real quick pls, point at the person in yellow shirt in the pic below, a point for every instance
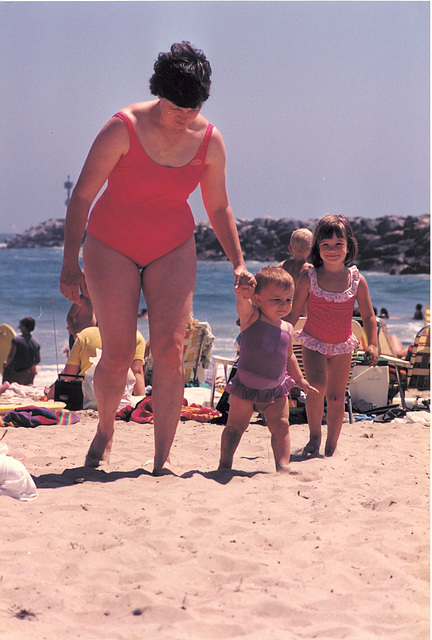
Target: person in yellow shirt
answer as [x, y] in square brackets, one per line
[84, 348]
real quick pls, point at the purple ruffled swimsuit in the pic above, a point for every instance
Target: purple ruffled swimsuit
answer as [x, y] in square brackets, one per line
[261, 375]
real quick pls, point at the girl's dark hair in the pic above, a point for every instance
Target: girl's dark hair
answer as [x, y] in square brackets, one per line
[333, 224]
[182, 76]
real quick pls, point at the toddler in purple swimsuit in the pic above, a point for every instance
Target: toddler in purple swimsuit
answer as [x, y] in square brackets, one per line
[267, 367]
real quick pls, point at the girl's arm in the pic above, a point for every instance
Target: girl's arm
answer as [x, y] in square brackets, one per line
[216, 203]
[301, 294]
[110, 144]
[369, 321]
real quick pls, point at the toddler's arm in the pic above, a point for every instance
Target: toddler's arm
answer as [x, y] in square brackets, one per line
[244, 291]
[293, 369]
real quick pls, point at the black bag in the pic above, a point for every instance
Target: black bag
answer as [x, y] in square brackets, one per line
[69, 391]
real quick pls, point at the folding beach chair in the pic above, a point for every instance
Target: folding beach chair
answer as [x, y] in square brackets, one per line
[413, 372]
[297, 348]
[197, 346]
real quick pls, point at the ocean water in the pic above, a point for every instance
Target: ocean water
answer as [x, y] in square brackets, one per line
[29, 287]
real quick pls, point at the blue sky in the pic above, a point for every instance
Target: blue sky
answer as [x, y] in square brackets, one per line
[323, 106]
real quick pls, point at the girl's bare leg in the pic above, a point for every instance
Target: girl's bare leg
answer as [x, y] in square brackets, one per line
[168, 286]
[239, 416]
[277, 416]
[315, 365]
[114, 284]
[338, 369]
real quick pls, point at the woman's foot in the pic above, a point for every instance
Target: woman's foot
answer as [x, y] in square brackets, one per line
[165, 470]
[99, 450]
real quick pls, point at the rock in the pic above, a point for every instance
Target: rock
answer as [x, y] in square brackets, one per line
[46, 234]
[391, 244]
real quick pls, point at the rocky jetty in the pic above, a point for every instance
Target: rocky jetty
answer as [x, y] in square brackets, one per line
[46, 234]
[391, 244]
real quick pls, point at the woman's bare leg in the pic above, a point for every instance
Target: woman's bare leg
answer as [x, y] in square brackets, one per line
[338, 369]
[239, 416]
[114, 284]
[315, 365]
[168, 286]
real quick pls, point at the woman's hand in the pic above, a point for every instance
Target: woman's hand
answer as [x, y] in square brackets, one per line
[72, 281]
[243, 278]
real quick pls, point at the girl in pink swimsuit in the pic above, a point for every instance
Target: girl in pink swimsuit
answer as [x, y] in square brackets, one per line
[140, 236]
[267, 367]
[330, 288]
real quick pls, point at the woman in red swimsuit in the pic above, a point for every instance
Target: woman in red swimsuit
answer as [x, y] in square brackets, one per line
[140, 235]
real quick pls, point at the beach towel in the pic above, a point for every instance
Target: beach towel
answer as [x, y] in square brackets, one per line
[32, 416]
[143, 412]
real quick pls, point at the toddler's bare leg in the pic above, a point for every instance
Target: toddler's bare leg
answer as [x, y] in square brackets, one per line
[277, 416]
[240, 413]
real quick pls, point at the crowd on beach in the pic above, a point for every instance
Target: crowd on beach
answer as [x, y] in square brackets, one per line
[145, 243]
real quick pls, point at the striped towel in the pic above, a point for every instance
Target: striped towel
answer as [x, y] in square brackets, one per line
[32, 416]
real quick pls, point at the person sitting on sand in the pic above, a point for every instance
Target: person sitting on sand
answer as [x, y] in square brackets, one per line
[24, 355]
[85, 345]
[267, 367]
[79, 317]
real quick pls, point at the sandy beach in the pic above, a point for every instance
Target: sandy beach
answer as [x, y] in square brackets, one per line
[340, 550]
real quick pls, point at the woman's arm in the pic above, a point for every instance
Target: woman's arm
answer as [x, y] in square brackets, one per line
[110, 144]
[215, 199]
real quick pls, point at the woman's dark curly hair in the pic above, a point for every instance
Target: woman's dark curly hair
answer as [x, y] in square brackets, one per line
[182, 76]
[333, 224]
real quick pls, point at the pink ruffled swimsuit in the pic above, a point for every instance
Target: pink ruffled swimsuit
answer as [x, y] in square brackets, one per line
[328, 324]
[261, 375]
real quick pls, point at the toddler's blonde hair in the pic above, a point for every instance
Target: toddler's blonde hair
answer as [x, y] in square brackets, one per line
[273, 275]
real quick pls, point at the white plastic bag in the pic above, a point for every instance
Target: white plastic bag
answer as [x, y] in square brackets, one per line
[15, 480]
[89, 400]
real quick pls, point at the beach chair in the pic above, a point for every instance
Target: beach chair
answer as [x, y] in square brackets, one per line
[297, 348]
[225, 362]
[197, 346]
[413, 372]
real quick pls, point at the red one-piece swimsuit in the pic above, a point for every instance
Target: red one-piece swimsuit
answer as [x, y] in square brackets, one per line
[144, 211]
